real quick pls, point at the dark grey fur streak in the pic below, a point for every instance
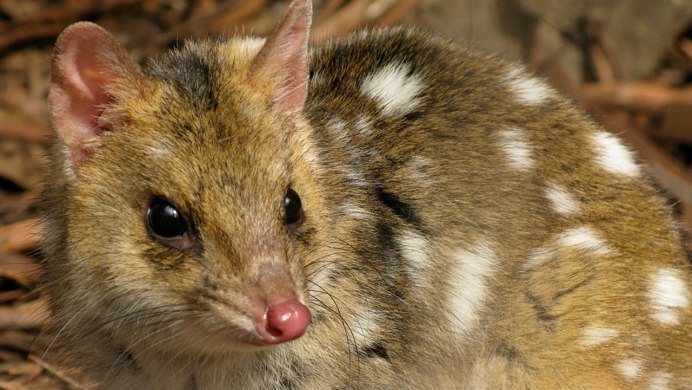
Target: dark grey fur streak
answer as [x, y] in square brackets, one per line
[191, 73]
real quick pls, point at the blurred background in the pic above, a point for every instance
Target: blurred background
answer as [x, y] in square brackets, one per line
[628, 62]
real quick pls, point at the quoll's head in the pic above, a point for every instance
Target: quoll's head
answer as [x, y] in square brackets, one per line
[191, 198]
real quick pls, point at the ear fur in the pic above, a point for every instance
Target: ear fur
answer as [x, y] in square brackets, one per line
[90, 71]
[284, 58]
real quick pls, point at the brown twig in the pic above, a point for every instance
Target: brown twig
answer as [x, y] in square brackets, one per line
[53, 20]
[24, 270]
[635, 95]
[20, 236]
[221, 18]
[14, 123]
[67, 10]
[359, 13]
[15, 207]
[12, 385]
[348, 18]
[19, 368]
[397, 12]
[677, 122]
[27, 315]
[14, 276]
[55, 371]
[602, 66]
[329, 8]
[223, 22]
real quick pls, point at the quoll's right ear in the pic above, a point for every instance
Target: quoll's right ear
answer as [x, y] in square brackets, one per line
[90, 71]
[283, 59]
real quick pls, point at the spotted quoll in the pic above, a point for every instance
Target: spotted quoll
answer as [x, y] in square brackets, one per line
[385, 211]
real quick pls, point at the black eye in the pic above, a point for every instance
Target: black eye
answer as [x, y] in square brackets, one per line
[165, 220]
[292, 207]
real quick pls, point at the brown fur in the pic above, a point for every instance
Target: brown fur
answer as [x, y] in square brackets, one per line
[141, 315]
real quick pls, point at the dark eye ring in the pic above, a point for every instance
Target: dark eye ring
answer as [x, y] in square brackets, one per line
[293, 211]
[165, 221]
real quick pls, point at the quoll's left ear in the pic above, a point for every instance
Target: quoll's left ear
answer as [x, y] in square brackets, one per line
[90, 70]
[284, 59]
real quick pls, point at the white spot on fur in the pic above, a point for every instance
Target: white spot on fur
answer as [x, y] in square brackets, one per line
[250, 46]
[414, 249]
[417, 167]
[393, 88]
[337, 128]
[69, 172]
[355, 212]
[158, 152]
[159, 149]
[583, 237]
[668, 294]
[316, 77]
[527, 89]
[613, 156]
[357, 155]
[67, 164]
[659, 381]
[516, 148]
[355, 178]
[596, 335]
[561, 200]
[469, 280]
[629, 368]
[365, 325]
[311, 157]
[321, 273]
[364, 126]
[536, 258]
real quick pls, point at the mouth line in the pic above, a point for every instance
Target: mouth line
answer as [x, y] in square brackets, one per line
[228, 318]
[279, 321]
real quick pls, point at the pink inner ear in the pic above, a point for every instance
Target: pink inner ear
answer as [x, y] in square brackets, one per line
[285, 56]
[86, 63]
[86, 79]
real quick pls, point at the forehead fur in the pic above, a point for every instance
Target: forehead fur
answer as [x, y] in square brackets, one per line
[205, 121]
[200, 68]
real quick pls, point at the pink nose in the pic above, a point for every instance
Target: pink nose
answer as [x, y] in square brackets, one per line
[284, 322]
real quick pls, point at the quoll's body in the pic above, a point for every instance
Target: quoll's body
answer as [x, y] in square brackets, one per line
[385, 211]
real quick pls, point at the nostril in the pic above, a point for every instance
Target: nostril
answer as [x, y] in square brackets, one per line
[286, 321]
[275, 332]
[275, 323]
